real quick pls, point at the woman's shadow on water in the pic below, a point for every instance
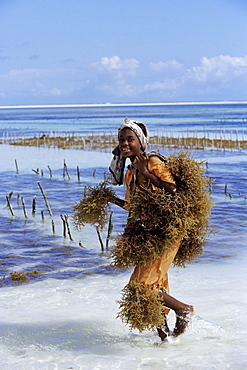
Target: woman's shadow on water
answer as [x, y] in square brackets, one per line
[88, 337]
[85, 337]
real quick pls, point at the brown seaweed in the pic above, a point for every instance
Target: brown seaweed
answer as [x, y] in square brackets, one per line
[140, 307]
[158, 219]
[94, 207]
[23, 276]
[18, 276]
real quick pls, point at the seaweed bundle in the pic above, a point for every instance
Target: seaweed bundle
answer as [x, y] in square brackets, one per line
[94, 206]
[141, 307]
[158, 219]
[193, 185]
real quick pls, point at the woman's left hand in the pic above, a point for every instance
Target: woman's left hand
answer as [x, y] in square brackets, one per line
[142, 162]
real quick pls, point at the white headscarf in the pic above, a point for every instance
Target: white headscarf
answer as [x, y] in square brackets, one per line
[118, 162]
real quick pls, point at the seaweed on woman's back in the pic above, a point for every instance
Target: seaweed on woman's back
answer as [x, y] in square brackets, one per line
[194, 184]
[167, 218]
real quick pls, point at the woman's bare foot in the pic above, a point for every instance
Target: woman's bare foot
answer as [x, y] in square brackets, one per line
[184, 316]
[163, 331]
[183, 311]
[162, 334]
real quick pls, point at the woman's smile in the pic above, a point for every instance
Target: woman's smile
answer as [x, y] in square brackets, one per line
[129, 144]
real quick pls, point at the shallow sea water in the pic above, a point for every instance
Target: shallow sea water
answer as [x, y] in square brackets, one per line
[66, 317]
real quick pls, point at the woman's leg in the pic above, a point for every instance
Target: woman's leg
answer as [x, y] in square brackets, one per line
[183, 313]
[163, 331]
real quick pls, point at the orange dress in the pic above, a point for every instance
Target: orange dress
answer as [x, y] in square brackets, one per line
[153, 274]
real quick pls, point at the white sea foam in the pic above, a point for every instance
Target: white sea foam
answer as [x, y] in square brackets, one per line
[61, 324]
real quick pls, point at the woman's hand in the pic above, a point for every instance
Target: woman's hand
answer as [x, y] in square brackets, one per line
[142, 166]
[142, 162]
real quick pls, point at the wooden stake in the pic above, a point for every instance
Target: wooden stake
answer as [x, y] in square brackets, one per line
[78, 173]
[66, 170]
[24, 207]
[53, 226]
[36, 171]
[34, 205]
[66, 217]
[64, 225]
[109, 233]
[100, 239]
[16, 166]
[9, 205]
[49, 168]
[46, 201]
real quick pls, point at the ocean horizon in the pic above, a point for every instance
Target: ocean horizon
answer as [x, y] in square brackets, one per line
[225, 102]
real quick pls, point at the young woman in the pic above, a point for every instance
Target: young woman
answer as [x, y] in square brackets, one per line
[133, 139]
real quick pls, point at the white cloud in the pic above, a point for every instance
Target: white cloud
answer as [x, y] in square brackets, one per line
[222, 67]
[114, 75]
[39, 82]
[119, 89]
[167, 84]
[19, 75]
[127, 66]
[159, 66]
[40, 89]
[220, 77]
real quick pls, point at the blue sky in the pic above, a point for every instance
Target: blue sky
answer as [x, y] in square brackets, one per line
[121, 51]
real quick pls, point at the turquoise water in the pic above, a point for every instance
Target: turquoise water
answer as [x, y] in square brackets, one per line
[65, 317]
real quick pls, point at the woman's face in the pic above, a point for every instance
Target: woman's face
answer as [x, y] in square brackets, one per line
[129, 144]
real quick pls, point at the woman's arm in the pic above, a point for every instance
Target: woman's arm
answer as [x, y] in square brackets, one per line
[156, 181]
[142, 165]
[119, 202]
